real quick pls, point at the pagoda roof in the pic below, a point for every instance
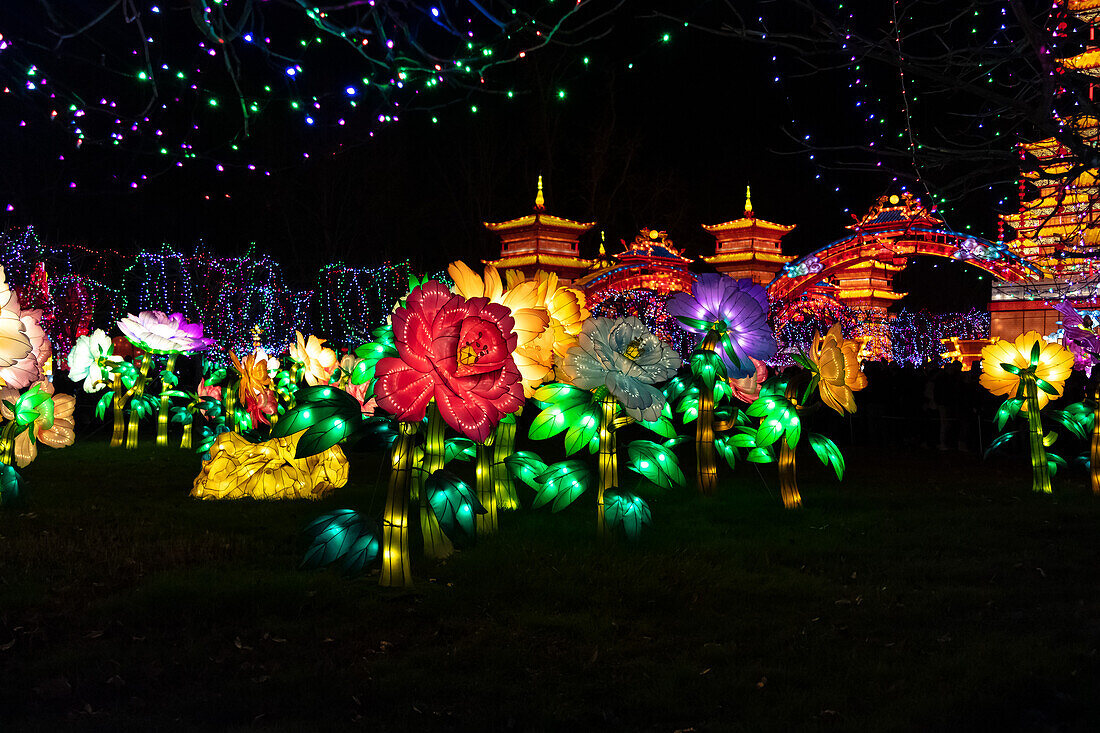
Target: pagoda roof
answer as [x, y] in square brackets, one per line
[540, 259]
[652, 244]
[746, 223]
[1087, 62]
[1086, 10]
[539, 218]
[747, 256]
[894, 209]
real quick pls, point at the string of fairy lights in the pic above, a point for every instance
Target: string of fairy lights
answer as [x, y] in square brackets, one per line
[178, 84]
[891, 120]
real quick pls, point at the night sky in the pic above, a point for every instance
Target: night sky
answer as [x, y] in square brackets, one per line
[649, 133]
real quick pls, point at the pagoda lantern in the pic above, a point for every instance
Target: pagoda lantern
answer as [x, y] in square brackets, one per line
[541, 241]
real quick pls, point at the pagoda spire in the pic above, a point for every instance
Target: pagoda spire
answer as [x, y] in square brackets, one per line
[540, 201]
[748, 201]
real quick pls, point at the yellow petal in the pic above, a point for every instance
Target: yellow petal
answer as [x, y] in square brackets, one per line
[467, 282]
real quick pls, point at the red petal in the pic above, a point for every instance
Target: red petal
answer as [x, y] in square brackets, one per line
[469, 414]
[402, 390]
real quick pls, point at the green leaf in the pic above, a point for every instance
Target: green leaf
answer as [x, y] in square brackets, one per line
[581, 433]
[743, 440]
[562, 483]
[725, 449]
[803, 361]
[1008, 409]
[463, 449]
[169, 378]
[622, 509]
[1010, 368]
[1036, 350]
[676, 440]
[527, 467]
[101, 406]
[694, 323]
[341, 534]
[707, 367]
[1054, 462]
[555, 419]
[999, 441]
[1046, 387]
[722, 390]
[760, 455]
[314, 406]
[370, 354]
[324, 434]
[562, 395]
[827, 453]
[663, 425]
[1050, 438]
[11, 486]
[455, 504]
[215, 377]
[761, 406]
[656, 463]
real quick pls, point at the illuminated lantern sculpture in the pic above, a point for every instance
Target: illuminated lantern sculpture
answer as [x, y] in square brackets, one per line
[547, 320]
[732, 318]
[36, 416]
[155, 332]
[14, 342]
[453, 365]
[614, 368]
[316, 362]
[1081, 339]
[1029, 371]
[833, 370]
[239, 468]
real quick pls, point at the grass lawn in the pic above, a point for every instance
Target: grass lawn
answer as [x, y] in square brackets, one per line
[928, 591]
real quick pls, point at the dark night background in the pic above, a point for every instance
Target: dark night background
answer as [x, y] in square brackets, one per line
[664, 135]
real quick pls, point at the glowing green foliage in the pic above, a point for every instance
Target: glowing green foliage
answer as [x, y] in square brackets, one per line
[1055, 461]
[1077, 418]
[760, 455]
[567, 408]
[378, 432]
[723, 445]
[104, 402]
[325, 434]
[370, 354]
[688, 404]
[828, 453]
[626, 510]
[454, 503]
[663, 425]
[1009, 409]
[656, 463]
[327, 414]
[463, 449]
[169, 378]
[10, 486]
[527, 467]
[342, 534]
[707, 366]
[562, 482]
[999, 441]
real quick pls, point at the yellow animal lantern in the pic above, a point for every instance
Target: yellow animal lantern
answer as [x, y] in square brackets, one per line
[268, 470]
